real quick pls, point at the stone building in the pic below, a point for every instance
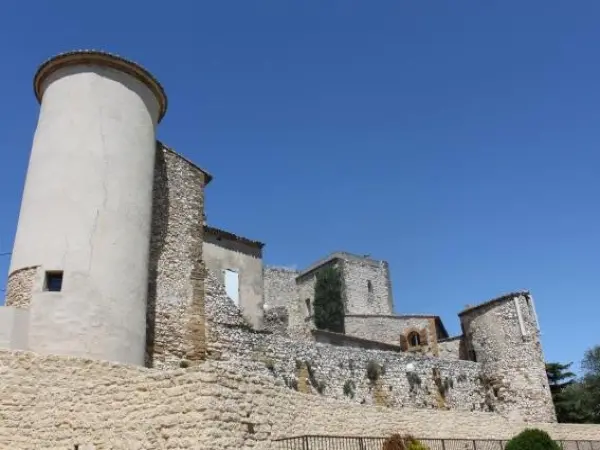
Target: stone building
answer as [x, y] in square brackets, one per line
[114, 260]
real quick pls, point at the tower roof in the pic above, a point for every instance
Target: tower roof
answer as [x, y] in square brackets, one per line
[99, 58]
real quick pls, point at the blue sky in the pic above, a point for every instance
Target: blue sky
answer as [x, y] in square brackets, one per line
[457, 140]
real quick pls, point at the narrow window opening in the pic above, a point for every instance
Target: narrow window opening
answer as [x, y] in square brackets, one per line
[414, 339]
[53, 282]
[369, 286]
[308, 307]
[232, 286]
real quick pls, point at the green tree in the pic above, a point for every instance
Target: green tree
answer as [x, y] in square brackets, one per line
[559, 378]
[329, 303]
[591, 383]
[532, 439]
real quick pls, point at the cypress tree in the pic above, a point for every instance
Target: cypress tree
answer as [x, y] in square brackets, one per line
[329, 303]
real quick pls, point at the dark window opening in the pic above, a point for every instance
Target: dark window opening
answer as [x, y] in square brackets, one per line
[472, 355]
[308, 306]
[54, 281]
[414, 339]
[369, 286]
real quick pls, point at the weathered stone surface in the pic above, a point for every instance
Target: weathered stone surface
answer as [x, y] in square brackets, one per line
[504, 338]
[19, 287]
[56, 402]
[175, 318]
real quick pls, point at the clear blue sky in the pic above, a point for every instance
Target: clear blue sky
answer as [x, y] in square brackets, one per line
[458, 140]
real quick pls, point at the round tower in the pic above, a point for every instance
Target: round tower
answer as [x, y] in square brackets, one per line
[83, 232]
[503, 335]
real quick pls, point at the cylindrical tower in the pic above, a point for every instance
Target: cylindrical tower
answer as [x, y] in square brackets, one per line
[85, 218]
[503, 335]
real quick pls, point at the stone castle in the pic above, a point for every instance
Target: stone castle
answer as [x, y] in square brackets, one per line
[118, 283]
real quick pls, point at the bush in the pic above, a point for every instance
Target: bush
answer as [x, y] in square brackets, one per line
[374, 371]
[532, 439]
[397, 442]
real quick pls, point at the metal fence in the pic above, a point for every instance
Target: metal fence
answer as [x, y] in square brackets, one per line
[376, 443]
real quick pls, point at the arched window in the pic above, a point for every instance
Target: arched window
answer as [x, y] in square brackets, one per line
[414, 340]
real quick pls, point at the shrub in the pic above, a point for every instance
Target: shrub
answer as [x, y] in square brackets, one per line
[349, 388]
[374, 371]
[398, 442]
[532, 439]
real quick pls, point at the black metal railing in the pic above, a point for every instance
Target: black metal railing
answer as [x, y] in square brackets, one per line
[376, 443]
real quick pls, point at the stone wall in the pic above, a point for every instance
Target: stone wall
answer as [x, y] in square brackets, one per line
[19, 287]
[367, 286]
[503, 336]
[389, 329]
[225, 251]
[279, 286]
[452, 348]
[175, 318]
[57, 402]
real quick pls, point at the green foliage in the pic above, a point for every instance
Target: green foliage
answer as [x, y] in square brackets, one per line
[399, 442]
[416, 445]
[532, 439]
[374, 371]
[349, 388]
[577, 400]
[559, 376]
[329, 304]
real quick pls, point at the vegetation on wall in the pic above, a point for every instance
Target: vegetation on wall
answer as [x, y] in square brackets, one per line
[532, 439]
[329, 303]
[349, 388]
[577, 400]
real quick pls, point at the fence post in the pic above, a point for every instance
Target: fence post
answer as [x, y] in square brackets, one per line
[474, 444]
[361, 443]
[305, 442]
[443, 444]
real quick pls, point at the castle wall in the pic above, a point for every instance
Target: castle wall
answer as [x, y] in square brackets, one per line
[175, 313]
[279, 286]
[367, 286]
[55, 402]
[14, 328]
[220, 253]
[452, 348]
[504, 337]
[388, 329]
[86, 213]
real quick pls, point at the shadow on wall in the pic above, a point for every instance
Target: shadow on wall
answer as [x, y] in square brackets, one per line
[160, 216]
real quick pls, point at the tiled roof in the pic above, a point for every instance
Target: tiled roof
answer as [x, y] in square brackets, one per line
[233, 237]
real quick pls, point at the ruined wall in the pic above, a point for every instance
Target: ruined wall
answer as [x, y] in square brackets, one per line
[175, 310]
[19, 287]
[221, 253]
[452, 348]
[504, 337]
[57, 402]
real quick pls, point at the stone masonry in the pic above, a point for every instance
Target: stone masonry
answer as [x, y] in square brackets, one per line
[52, 402]
[19, 287]
[175, 319]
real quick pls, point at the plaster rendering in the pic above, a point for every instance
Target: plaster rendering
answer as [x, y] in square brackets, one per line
[86, 209]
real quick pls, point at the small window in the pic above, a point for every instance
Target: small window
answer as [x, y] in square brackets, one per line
[414, 340]
[369, 286]
[308, 306]
[54, 281]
